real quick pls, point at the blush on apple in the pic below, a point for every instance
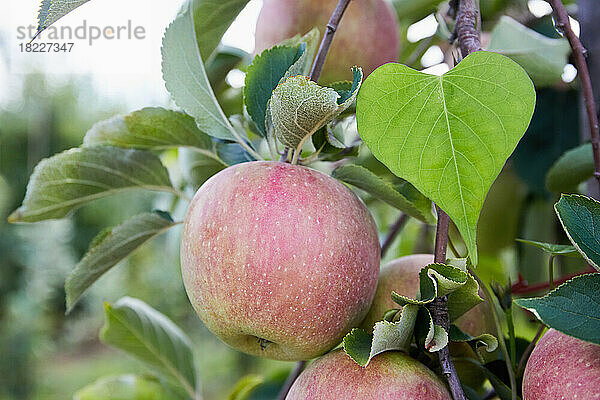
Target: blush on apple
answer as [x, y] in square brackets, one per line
[279, 260]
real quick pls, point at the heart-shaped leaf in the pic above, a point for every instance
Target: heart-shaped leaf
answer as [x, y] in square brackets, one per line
[65, 181]
[299, 107]
[136, 328]
[580, 218]
[405, 197]
[448, 135]
[542, 57]
[111, 246]
[572, 308]
[149, 128]
[127, 387]
[572, 168]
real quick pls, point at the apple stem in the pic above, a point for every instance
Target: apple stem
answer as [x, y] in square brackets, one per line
[579, 53]
[331, 28]
[395, 229]
[291, 379]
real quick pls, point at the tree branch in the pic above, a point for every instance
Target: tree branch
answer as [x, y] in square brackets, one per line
[395, 229]
[291, 379]
[332, 26]
[466, 29]
[563, 23]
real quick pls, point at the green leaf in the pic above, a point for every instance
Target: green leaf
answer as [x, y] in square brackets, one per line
[233, 153]
[448, 135]
[387, 336]
[464, 298]
[110, 247]
[53, 10]
[403, 197]
[126, 387]
[572, 308]
[487, 341]
[65, 181]
[212, 18]
[580, 218]
[542, 57]
[136, 328]
[436, 337]
[262, 78]
[186, 79]
[149, 128]
[551, 248]
[245, 386]
[571, 169]
[197, 167]
[299, 107]
[312, 40]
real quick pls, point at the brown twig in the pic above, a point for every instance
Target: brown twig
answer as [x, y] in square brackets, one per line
[395, 229]
[466, 28]
[332, 26]
[563, 23]
[291, 379]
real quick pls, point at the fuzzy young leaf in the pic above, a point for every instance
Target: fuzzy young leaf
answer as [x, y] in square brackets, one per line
[65, 181]
[571, 169]
[448, 135]
[127, 387]
[551, 248]
[53, 10]
[136, 328]
[542, 57]
[263, 76]
[436, 337]
[211, 19]
[486, 340]
[110, 247]
[580, 218]
[572, 308]
[149, 128]
[405, 198]
[387, 336]
[186, 79]
[299, 107]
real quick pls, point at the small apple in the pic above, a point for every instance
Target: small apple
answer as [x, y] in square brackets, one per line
[389, 376]
[279, 260]
[367, 36]
[562, 367]
[402, 276]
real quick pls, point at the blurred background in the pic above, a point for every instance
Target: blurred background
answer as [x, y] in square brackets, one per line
[49, 101]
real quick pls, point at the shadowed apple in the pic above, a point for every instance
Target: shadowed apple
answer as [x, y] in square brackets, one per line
[279, 260]
[562, 367]
[367, 35]
[389, 376]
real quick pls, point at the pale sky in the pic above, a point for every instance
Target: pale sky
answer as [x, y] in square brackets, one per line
[124, 70]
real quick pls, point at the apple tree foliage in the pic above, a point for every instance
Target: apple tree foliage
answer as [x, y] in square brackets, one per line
[445, 137]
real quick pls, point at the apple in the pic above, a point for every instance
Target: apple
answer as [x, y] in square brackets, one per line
[367, 36]
[562, 367]
[279, 260]
[389, 376]
[402, 276]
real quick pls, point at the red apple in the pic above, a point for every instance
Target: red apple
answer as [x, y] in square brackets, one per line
[279, 260]
[389, 376]
[562, 367]
[367, 35]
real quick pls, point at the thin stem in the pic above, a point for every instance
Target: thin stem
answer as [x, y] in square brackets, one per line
[332, 27]
[529, 349]
[466, 29]
[551, 272]
[441, 236]
[521, 287]
[501, 341]
[395, 229]
[579, 52]
[511, 336]
[291, 379]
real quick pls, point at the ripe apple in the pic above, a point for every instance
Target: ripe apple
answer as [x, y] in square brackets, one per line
[367, 36]
[279, 260]
[402, 276]
[562, 367]
[389, 376]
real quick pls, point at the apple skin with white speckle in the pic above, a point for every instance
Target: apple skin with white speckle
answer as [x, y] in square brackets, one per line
[562, 367]
[278, 260]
